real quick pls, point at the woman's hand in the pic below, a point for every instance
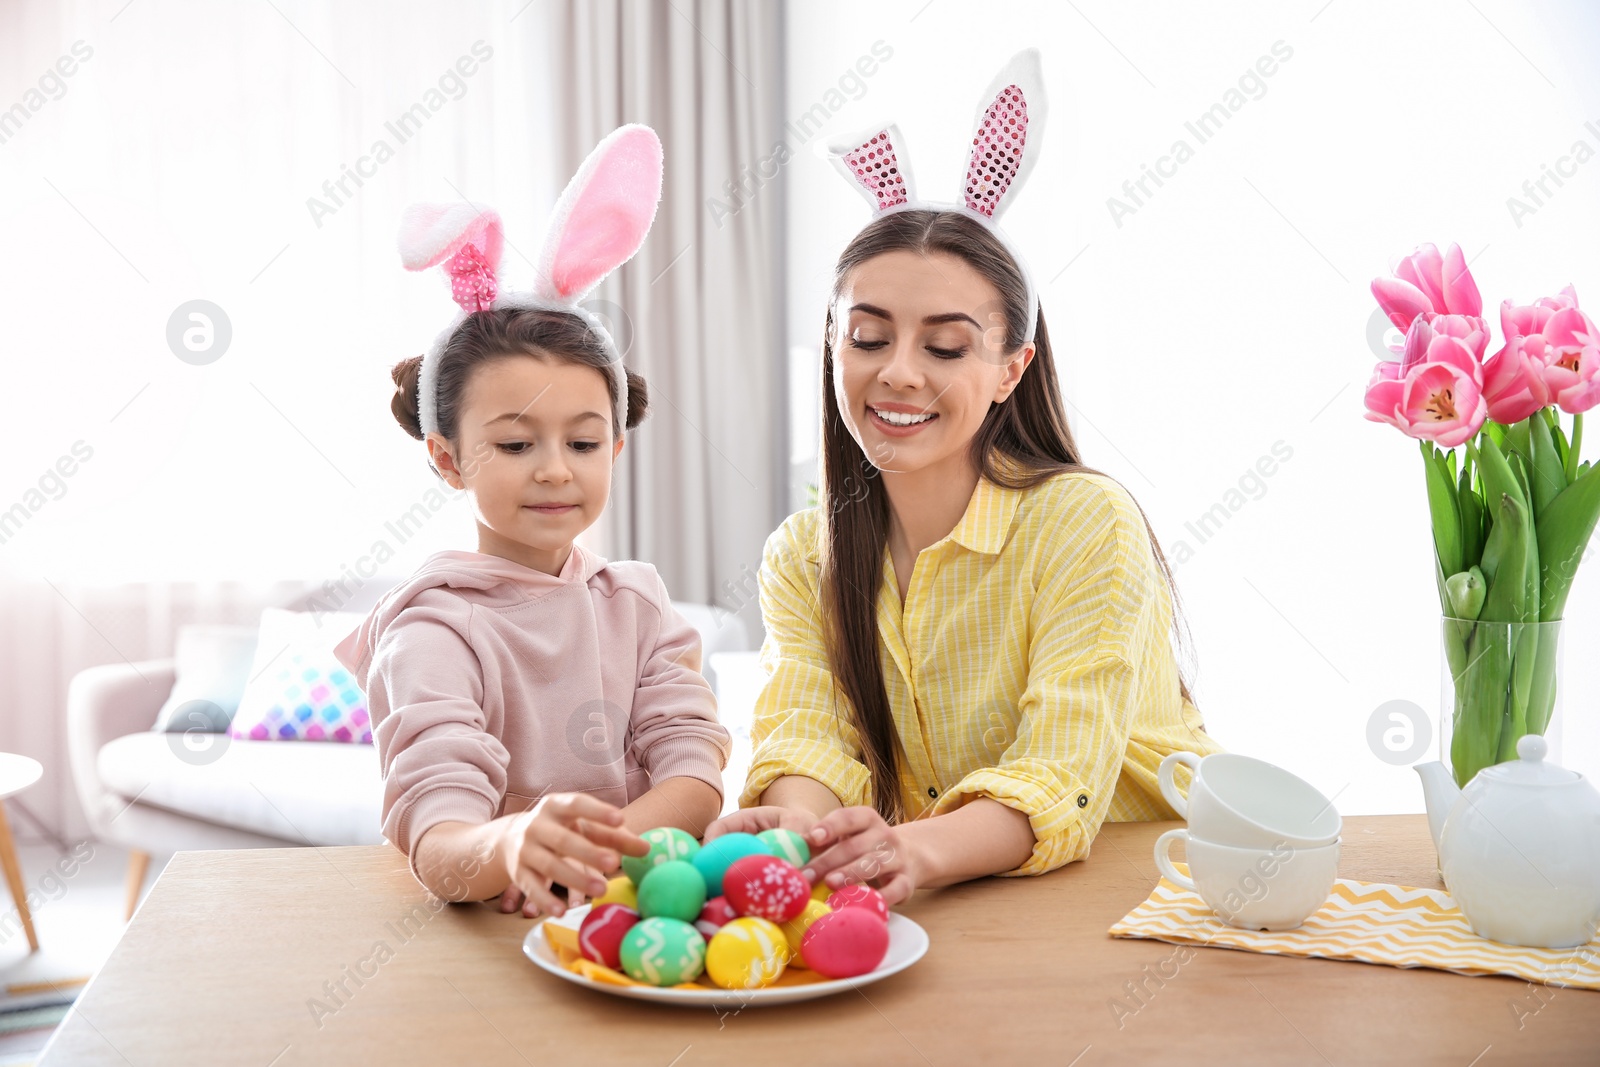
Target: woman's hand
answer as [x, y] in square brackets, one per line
[571, 838]
[855, 845]
[767, 817]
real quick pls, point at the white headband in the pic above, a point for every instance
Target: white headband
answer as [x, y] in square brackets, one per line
[597, 225]
[1005, 147]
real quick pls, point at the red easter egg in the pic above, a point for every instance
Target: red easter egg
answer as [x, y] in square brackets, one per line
[714, 916]
[860, 896]
[845, 943]
[766, 887]
[601, 932]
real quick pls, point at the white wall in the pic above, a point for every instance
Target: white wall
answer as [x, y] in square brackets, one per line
[1230, 312]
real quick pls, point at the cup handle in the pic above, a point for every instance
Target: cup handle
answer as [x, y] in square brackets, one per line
[1164, 861]
[1169, 788]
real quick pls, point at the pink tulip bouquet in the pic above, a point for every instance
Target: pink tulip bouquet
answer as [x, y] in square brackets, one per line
[1511, 519]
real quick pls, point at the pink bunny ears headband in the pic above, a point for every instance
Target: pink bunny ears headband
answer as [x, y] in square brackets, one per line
[1005, 146]
[598, 224]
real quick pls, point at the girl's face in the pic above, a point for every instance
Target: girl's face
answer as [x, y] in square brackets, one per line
[919, 356]
[536, 456]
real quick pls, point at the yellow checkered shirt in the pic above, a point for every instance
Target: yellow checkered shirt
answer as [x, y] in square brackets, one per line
[1031, 663]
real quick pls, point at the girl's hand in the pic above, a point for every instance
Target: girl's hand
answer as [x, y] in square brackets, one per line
[571, 838]
[755, 820]
[855, 845]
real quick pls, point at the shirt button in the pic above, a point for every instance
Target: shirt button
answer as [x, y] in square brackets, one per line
[932, 792]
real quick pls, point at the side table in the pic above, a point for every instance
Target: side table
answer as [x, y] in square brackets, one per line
[16, 774]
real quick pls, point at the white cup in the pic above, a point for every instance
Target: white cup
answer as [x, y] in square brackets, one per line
[1249, 803]
[1275, 888]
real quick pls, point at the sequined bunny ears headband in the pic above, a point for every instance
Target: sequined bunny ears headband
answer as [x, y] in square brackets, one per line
[1005, 146]
[598, 224]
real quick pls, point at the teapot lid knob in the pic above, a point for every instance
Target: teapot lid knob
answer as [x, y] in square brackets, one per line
[1531, 747]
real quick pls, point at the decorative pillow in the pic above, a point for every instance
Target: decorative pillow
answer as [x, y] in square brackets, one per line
[297, 689]
[213, 663]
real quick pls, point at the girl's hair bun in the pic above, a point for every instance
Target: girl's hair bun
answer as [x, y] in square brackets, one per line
[404, 404]
[638, 401]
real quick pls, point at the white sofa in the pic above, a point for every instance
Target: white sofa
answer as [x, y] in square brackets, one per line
[149, 793]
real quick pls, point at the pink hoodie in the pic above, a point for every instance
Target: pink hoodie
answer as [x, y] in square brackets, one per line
[491, 684]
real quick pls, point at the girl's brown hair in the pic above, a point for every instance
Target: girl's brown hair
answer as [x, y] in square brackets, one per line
[1029, 428]
[500, 333]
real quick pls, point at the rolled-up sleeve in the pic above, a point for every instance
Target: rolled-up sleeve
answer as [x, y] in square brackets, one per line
[1091, 625]
[440, 763]
[675, 728]
[800, 726]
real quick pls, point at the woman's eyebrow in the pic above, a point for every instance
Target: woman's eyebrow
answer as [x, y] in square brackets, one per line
[929, 320]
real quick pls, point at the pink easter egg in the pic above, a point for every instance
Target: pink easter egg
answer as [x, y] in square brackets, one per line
[714, 916]
[601, 932]
[860, 896]
[845, 943]
[766, 887]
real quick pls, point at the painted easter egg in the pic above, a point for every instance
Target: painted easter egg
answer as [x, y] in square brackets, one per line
[663, 952]
[788, 845]
[859, 896]
[716, 855]
[845, 943]
[619, 890]
[822, 891]
[766, 887]
[672, 890]
[714, 916]
[602, 930]
[747, 953]
[795, 929]
[666, 843]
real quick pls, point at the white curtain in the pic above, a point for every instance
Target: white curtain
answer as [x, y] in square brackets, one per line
[704, 480]
[257, 157]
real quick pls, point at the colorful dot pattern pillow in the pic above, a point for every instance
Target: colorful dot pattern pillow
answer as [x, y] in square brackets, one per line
[297, 690]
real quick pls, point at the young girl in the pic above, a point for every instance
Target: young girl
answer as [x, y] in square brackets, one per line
[534, 706]
[968, 655]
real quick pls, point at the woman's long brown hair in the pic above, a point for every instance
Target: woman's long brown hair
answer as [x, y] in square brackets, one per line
[1029, 428]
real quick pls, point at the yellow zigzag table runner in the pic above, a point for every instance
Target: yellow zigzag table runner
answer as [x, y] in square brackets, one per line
[1372, 922]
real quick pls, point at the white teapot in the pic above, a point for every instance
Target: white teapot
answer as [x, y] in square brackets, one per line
[1519, 848]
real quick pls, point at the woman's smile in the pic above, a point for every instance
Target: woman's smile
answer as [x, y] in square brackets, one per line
[899, 420]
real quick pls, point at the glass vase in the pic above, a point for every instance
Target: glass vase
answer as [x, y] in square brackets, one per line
[1498, 682]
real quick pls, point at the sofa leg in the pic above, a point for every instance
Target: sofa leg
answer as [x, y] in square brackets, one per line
[138, 866]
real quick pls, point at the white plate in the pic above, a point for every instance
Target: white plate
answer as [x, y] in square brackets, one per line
[908, 942]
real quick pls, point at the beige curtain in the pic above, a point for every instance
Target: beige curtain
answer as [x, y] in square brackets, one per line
[704, 480]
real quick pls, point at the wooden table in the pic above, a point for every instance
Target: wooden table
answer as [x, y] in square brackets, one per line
[231, 952]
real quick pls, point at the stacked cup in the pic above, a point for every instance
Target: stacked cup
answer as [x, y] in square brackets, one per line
[1262, 844]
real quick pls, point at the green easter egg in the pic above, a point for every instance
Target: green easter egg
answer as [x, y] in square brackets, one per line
[666, 843]
[663, 952]
[674, 890]
[786, 844]
[718, 854]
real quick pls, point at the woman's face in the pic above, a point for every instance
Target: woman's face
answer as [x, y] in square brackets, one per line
[919, 356]
[536, 453]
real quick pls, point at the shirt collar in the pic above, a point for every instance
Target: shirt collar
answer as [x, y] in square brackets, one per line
[984, 526]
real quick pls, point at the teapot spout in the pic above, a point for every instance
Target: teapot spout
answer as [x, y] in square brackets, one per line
[1439, 792]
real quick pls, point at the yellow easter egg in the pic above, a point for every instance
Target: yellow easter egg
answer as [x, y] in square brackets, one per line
[619, 890]
[822, 891]
[747, 953]
[795, 928]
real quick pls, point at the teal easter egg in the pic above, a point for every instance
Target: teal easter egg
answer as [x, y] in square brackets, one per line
[714, 857]
[674, 890]
[663, 952]
[666, 843]
[788, 845]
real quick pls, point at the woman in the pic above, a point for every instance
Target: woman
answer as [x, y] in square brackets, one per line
[966, 642]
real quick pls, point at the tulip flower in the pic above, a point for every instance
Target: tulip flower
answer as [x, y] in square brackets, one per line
[1435, 287]
[1434, 393]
